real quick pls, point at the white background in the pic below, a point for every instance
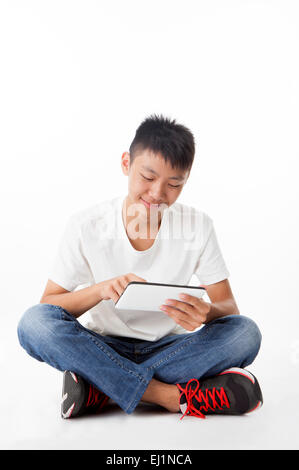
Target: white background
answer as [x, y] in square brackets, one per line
[77, 78]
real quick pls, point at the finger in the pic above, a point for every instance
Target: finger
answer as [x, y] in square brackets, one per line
[119, 286]
[182, 306]
[183, 322]
[194, 301]
[178, 315]
[113, 294]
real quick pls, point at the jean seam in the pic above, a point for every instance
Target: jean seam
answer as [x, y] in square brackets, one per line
[186, 342]
[148, 350]
[189, 338]
[136, 398]
[189, 342]
[173, 353]
[99, 345]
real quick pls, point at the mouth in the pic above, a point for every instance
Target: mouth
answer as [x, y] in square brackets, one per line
[148, 204]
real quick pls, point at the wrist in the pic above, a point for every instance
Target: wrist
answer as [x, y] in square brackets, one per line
[99, 291]
[211, 311]
[221, 309]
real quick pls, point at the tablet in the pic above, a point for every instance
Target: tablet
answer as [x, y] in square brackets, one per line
[139, 304]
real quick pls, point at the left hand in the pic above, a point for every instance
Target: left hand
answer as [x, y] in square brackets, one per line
[190, 312]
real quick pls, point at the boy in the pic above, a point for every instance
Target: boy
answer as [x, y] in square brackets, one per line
[196, 367]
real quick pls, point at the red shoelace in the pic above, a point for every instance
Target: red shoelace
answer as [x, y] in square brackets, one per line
[96, 398]
[208, 398]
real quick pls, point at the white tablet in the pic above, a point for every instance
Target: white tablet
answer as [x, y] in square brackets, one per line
[139, 304]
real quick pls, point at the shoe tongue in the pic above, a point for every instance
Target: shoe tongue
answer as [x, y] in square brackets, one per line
[183, 407]
[183, 399]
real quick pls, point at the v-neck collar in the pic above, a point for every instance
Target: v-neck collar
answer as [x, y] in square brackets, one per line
[124, 235]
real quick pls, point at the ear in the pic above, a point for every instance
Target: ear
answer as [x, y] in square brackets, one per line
[125, 163]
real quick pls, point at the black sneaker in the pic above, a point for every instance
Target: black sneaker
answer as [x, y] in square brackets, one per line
[80, 397]
[234, 391]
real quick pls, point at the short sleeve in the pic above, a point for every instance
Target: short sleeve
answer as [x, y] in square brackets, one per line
[70, 267]
[211, 267]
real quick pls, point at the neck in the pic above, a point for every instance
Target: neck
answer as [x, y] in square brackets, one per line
[142, 222]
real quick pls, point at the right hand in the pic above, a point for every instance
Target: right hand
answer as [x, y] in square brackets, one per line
[113, 288]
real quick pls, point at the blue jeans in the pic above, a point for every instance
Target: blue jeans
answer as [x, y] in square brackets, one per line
[123, 367]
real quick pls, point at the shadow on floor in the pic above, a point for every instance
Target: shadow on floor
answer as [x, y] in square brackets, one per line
[112, 409]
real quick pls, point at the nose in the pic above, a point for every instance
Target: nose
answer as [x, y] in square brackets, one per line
[157, 194]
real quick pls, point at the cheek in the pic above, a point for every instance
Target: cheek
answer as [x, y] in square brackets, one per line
[174, 194]
[137, 187]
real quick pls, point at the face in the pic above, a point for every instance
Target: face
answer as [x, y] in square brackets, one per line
[152, 181]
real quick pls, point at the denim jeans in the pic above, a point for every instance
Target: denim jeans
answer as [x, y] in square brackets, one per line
[123, 367]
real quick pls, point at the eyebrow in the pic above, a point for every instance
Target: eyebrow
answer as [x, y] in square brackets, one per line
[178, 178]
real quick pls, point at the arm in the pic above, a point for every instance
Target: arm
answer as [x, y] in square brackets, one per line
[222, 300]
[75, 303]
[191, 312]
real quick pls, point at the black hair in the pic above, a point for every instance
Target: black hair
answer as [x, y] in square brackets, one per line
[161, 135]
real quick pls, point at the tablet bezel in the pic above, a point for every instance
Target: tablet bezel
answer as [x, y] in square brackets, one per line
[160, 284]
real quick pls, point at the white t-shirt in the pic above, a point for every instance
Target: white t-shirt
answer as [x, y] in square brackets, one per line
[95, 248]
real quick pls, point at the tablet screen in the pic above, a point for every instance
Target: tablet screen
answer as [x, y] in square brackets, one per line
[150, 296]
[139, 305]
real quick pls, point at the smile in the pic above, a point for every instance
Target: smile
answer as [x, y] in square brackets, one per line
[147, 204]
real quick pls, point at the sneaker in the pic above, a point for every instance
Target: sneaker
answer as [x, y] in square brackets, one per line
[234, 391]
[80, 397]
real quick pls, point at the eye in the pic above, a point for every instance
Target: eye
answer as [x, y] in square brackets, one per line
[151, 179]
[148, 179]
